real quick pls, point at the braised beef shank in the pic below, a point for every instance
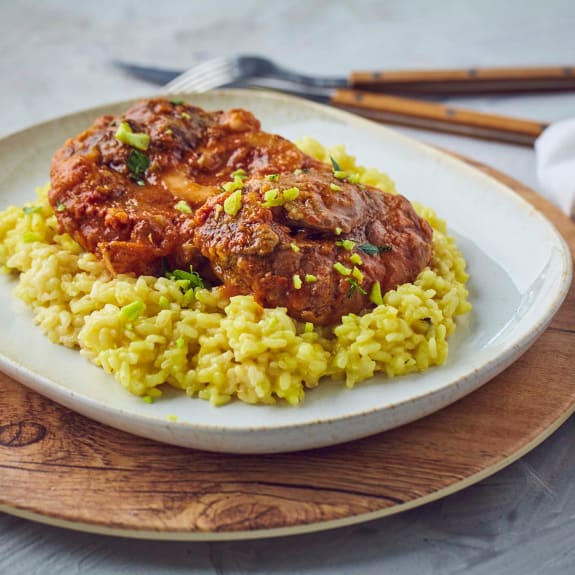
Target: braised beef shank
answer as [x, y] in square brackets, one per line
[295, 251]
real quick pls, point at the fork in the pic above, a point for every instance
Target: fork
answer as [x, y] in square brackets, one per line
[220, 72]
[255, 71]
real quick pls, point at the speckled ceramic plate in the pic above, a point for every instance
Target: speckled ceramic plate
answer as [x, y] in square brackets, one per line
[520, 272]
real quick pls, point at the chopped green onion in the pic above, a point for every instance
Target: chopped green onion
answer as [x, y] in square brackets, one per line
[339, 174]
[272, 177]
[180, 342]
[296, 281]
[294, 248]
[133, 310]
[125, 135]
[339, 267]
[168, 131]
[148, 399]
[183, 206]
[338, 231]
[60, 207]
[375, 295]
[30, 237]
[237, 184]
[290, 194]
[310, 278]
[335, 188]
[354, 178]
[346, 244]
[239, 173]
[357, 274]
[308, 327]
[164, 302]
[176, 102]
[272, 199]
[233, 203]
[355, 259]
[31, 209]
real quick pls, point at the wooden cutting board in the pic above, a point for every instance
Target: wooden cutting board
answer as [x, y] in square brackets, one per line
[61, 468]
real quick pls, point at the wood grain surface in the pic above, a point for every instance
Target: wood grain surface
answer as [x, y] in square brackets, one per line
[467, 80]
[59, 467]
[439, 117]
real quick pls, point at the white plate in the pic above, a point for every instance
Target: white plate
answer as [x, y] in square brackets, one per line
[520, 271]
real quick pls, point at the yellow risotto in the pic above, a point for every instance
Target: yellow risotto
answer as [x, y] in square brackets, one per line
[147, 332]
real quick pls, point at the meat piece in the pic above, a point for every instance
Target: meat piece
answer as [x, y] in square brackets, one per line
[292, 236]
[125, 204]
[295, 242]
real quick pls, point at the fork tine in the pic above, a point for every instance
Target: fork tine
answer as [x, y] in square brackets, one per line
[205, 76]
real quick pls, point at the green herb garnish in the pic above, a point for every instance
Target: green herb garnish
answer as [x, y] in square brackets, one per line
[176, 102]
[60, 207]
[353, 285]
[137, 164]
[336, 167]
[187, 282]
[31, 209]
[372, 250]
[192, 278]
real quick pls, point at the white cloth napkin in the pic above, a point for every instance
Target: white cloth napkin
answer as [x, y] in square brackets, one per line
[555, 152]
